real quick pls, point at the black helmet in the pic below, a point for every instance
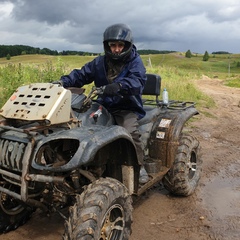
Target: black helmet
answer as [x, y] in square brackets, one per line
[118, 32]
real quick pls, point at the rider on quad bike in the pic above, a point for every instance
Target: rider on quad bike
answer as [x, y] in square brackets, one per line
[123, 75]
[62, 149]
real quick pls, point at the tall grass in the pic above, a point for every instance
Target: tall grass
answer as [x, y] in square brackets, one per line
[177, 72]
[14, 75]
[181, 85]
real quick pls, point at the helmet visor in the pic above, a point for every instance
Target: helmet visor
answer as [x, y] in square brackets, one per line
[118, 32]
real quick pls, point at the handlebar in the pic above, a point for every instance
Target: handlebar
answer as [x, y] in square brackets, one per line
[96, 91]
[93, 93]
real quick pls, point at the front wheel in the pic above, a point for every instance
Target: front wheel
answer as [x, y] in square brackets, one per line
[102, 212]
[13, 213]
[183, 177]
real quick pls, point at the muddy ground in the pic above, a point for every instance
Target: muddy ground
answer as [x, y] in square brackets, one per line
[212, 212]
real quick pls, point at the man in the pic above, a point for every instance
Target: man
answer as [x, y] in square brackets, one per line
[123, 74]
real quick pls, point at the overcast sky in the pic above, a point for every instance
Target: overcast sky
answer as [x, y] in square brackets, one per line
[177, 25]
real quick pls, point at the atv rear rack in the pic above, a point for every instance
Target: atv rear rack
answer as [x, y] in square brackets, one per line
[179, 105]
[153, 88]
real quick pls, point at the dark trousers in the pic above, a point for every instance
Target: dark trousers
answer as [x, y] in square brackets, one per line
[129, 120]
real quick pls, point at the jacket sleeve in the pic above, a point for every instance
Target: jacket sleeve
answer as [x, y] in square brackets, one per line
[80, 77]
[133, 82]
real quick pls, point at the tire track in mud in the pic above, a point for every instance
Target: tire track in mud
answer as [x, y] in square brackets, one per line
[221, 153]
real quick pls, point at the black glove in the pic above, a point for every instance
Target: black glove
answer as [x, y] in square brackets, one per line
[111, 89]
[60, 82]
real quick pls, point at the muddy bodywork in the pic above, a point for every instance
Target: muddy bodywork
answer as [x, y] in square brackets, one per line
[54, 142]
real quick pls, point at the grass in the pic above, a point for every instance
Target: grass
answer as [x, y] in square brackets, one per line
[177, 72]
[235, 82]
[217, 65]
[181, 85]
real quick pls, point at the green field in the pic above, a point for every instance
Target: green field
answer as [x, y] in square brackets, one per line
[177, 72]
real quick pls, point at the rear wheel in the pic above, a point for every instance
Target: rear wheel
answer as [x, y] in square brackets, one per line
[183, 177]
[13, 213]
[102, 212]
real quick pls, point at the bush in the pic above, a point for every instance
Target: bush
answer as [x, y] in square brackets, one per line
[8, 57]
[205, 56]
[188, 54]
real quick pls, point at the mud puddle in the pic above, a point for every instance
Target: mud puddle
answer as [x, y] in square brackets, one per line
[221, 199]
[224, 195]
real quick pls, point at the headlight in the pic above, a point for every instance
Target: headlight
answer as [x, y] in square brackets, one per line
[56, 153]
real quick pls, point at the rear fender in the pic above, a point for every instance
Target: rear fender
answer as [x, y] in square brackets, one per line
[164, 138]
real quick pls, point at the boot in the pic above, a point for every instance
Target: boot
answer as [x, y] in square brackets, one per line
[143, 178]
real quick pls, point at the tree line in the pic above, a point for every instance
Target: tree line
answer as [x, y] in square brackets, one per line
[9, 51]
[16, 50]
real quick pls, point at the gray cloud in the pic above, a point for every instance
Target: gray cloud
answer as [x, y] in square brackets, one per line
[162, 25]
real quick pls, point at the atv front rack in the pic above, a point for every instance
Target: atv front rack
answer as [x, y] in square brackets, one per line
[39, 102]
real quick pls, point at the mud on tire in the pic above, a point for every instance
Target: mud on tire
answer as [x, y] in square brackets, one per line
[183, 177]
[102, 211]
[13, 213]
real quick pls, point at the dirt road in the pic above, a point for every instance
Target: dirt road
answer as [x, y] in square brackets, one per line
[212, 212]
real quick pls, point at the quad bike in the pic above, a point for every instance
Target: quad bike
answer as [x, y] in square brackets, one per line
[60, 148]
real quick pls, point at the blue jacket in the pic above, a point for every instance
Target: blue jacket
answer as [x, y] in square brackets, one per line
[132, 80]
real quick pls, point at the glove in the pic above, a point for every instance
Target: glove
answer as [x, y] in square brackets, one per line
[111, 89]
[60, 82]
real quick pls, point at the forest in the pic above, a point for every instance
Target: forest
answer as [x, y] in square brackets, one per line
[17, 50]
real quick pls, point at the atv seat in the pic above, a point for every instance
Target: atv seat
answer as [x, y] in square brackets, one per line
[152, 88]
[151, 113]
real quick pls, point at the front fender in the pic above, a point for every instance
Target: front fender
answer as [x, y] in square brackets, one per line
[91, 140]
